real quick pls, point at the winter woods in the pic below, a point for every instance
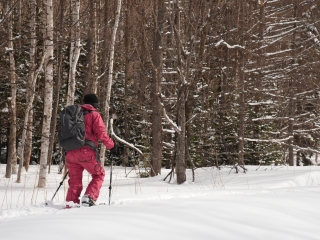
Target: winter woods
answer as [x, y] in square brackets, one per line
[190, 83]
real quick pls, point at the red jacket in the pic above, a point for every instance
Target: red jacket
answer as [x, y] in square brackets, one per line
[95, 128]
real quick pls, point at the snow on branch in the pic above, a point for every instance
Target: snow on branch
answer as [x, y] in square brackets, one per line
[307, 130]
[192, 118]
[314, 36]
[305, 149]
[121, 140]
[282, 142]
[304, 93]
[279, 52]
[282, 33]
[169, 145]
[167, 118]
[260, 103]
[228, 45]
[279, 141]
[270, 118]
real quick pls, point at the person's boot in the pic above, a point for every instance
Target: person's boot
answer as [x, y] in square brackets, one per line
[86, 201]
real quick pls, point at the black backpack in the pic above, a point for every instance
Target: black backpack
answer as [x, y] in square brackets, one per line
[72, 128]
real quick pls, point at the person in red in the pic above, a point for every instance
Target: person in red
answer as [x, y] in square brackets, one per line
[85, 158]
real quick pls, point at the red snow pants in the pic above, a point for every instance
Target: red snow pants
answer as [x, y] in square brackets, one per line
[77, 161]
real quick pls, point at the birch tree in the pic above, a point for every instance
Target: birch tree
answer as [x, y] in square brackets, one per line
[110, 75]
[237, 79]
[58, 79]
[74, 50]
[30, 88]
[46, 122]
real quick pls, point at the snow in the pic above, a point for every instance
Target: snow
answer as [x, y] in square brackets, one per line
[228, 45]
[170, 121]
[268, 202]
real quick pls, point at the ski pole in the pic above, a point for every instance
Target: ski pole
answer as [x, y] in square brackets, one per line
[60, 185]
[110, 186]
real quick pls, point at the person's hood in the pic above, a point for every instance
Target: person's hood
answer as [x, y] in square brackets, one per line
[88, 107]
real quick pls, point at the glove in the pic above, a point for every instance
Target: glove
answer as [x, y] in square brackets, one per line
[114, 150]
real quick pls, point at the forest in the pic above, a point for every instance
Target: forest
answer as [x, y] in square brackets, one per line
[182, 84]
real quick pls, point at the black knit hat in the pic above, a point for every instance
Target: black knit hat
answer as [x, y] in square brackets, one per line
[91, 99]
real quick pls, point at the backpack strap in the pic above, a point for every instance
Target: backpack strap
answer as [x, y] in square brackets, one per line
[85, 112]
[89, 143]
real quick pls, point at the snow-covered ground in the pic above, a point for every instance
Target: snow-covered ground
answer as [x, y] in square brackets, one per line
[266, 203]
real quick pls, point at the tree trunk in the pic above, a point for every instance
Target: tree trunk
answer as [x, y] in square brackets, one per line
[291, 91]
[46, 122]
[111, 59]
[156, 146]
[241, 119]
[57, 85]
[12, 152]
[103, 54]
[181, 141]
[290, 128]
[241, 87]
[198, 72]
[31, 87]
[128, 76]
[90, 76]
[74, 50]
[181, 104]
[28, 143]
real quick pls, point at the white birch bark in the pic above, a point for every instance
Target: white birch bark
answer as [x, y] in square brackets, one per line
[111, 59]
[74, 50]
[57, 83]
[28, 143]
[30, 87]
[47, 95]
[12, 153]
[27, 119]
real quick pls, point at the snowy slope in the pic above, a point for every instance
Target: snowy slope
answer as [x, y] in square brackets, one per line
[265, 203]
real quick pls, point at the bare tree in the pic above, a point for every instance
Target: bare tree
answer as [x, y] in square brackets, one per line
[30, 88]
[157, 55]
[12, 152]
[237, 80]
[48, 93]
[110, 75]
[90, 75]
[74, 50]
[58, 80]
